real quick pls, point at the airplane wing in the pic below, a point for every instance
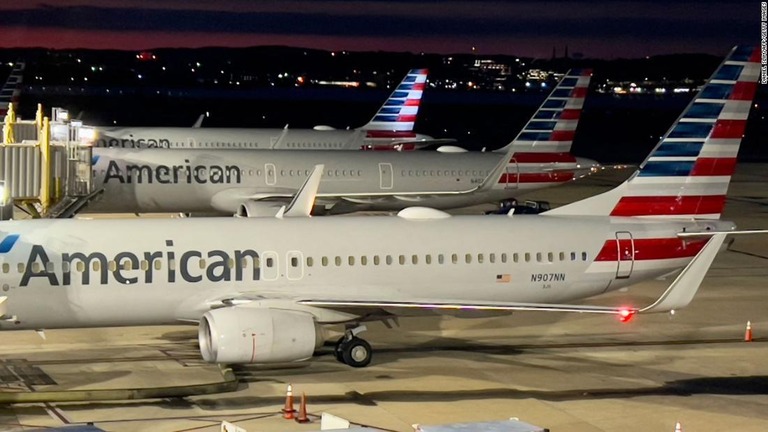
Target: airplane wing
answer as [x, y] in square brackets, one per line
[348, 308]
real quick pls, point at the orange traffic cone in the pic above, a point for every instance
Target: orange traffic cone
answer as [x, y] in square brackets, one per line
[302, 417]
[288, 408]
[678, 427]
[748, 332]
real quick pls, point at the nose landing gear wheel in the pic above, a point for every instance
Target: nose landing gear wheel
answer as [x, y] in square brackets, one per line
[354, 352]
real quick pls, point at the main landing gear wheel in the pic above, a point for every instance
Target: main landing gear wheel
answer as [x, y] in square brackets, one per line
[355, 352]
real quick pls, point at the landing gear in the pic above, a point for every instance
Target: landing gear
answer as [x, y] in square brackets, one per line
[352, 350]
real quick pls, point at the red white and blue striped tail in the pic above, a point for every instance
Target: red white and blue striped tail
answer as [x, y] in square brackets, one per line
[688, 172]
[397, 116]
[540, 154]
[11, 91]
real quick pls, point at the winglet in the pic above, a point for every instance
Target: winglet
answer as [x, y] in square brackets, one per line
[199, 122]
[687, 283]
[301, 205]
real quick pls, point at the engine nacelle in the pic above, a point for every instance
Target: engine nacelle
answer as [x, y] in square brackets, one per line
[451, 149]
[257, 335]
[249, 209]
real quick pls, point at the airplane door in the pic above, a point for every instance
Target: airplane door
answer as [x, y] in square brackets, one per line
[512, 175]
[269, 266]
[271, 174]
[385, 176]
[294, 261]
[626, 254]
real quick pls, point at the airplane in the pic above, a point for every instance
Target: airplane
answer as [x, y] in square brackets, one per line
[12, 89]
[390, 129]
[263, 290]
[256, 183]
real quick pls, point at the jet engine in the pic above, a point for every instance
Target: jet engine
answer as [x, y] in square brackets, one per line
[257, 335]
[249, 209]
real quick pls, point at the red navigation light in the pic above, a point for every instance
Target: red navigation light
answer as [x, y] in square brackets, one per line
[626, 315]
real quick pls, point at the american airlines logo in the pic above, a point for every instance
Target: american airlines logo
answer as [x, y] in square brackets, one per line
[164, 174]
[129, 268]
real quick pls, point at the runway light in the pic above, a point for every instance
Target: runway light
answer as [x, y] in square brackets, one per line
[626, 315]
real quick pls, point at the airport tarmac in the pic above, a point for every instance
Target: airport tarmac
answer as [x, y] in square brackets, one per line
[566, 372]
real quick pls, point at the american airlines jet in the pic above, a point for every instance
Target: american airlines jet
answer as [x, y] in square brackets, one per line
[257, 183]
[262, 290]
[12, 89]
[390, 129]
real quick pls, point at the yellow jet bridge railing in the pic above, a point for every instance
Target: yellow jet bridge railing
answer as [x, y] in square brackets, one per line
[41, 175]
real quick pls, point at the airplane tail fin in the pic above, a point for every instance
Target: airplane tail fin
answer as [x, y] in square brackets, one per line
[395, 119]
[11, 91]
[688, 172]
[541, 151]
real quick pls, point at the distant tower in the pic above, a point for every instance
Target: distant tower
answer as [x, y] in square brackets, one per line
[566, 52]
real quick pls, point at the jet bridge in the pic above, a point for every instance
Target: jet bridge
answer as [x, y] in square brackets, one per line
[45, 166]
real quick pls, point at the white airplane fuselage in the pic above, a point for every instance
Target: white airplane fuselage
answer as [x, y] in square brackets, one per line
[245, 138]
[157, 180]
[179, 268]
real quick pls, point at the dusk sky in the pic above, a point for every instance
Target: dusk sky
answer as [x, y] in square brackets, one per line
[527, 28]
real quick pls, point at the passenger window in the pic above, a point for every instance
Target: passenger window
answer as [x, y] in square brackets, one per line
[573, 256]
[504, 258]
[389, 259]
[96, 266]
[468, 258]
[363, 260]
[414, 259]
[337, 261]
[480, 258]
[201, 263]
[36, 267]
[538, 256]
[111, 265]
[6, 267]
[49, 267]
[375, 260]
[310, 262]
[562, 256]
[550, 257]
[351, 260]
[492, 258]
[20, 267]
[527, 257]
[583, 256]
[455, 258]
[158, 264]
[428, 259]
[294, 262]
[515, 257]
[440, 259]
[270, 262]
[401, 259]
[144, 265]
[324, 261]
[127, 265]
[80, 266]
[64, 267]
